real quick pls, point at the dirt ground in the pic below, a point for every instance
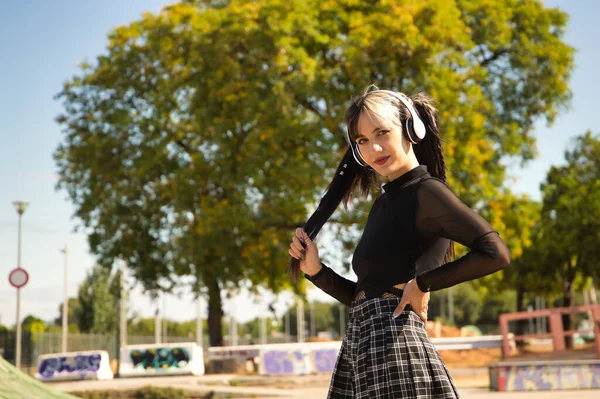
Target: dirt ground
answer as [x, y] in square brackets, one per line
[483, 357]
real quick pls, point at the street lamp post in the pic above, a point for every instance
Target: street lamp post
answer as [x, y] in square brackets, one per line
[124, 302]
[20, 206]
[199, 341]
[65, 310]
[313, 326]
[300, 320]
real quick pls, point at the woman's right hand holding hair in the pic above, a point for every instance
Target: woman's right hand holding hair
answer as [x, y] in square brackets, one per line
[306, 251]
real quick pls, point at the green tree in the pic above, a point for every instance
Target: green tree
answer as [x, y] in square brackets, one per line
[251, 329]
[467, 304]
[492, 306]
[326, 317]
[571, 220]
[205, 133]
[141, 327]
[98, 303]
[75, 312]
[144, 326]
[32, 324]
[518, 217]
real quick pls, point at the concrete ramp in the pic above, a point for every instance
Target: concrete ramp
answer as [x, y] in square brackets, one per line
[17, 385]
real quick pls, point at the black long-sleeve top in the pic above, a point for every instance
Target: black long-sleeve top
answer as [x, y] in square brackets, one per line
[407, 233]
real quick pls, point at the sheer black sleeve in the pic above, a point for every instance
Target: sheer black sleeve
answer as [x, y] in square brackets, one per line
[333, 284]
[441, 213]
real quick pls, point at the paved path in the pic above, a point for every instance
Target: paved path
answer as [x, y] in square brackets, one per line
[475, 393]
[472, 384]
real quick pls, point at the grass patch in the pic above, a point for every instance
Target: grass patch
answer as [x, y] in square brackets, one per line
[142, 393]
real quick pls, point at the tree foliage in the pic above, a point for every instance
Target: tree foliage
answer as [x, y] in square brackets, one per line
[570, 234]
[33, 324]
[205, 133]
[98, 305]
[75, 313]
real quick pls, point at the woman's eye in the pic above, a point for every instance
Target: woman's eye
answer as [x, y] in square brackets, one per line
[363, 140]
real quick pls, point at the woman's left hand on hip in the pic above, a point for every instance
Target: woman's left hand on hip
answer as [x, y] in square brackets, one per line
[417, 299]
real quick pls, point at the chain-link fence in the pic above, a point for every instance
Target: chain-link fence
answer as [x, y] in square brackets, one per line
[37, 344]
[28, 350]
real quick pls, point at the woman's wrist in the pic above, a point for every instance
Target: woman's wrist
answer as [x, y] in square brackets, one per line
[315, 272]
[422, 287]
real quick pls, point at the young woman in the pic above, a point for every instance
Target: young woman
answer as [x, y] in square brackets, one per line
[405, 250]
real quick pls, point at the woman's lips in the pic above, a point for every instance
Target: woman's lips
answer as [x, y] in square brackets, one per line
[383, 160]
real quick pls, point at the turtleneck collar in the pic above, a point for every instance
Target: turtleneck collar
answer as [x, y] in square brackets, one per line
[402, 181]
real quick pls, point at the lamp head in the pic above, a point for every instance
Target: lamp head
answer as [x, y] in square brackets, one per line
[20, 206]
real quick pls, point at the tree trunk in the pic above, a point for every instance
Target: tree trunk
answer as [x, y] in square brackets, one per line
[520, 308]
[215, 313]
[568, 301]
[593, 296]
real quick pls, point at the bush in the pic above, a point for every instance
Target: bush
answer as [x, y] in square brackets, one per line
[160, 393]
[467, 305]
[143, 393]
[101, 395]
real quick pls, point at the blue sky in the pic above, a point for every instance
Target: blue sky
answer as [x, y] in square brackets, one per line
[43, 43]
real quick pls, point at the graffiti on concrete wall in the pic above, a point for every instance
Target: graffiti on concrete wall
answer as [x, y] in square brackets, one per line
[299, 361]
[300, 358]
[544, 377]
[323, 360]
[284, 362]
[81, 364]
[159, 358]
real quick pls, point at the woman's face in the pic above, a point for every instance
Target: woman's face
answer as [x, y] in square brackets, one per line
[382, 143]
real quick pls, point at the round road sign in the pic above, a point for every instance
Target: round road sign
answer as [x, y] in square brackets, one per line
[18, 277]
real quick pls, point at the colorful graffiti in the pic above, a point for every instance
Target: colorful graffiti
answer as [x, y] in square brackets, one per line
[299, 361]
[324, 360]
[546, 377]
[160, 358]
[298, 358]
[284, 362]
[83, 365]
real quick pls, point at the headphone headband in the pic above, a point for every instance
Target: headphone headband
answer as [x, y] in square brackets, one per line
[418, 126]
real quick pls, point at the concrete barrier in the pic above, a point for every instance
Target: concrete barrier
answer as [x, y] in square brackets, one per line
[465, 343]
[74, 366]
[298, 358]
[161, 359]
[550, 375]
[238, 352]
[320, 357]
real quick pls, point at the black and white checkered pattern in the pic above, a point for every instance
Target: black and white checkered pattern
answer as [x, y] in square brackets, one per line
[388, 358]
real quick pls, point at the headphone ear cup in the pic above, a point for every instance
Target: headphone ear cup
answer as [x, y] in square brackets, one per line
[410, 131]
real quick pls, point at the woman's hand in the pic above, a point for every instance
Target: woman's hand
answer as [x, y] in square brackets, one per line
[308, 254]
[417, 299]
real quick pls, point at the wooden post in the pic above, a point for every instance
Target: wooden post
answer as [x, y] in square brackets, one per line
[596, 321]
[557, 331]
[502, 320]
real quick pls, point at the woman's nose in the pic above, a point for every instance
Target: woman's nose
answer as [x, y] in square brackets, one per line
[376, 148]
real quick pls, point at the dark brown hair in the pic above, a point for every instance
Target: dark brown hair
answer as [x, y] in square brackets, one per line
[350, 177]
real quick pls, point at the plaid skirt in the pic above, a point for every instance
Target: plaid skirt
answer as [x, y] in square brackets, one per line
[388, 358]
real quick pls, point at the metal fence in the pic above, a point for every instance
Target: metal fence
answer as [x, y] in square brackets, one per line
[37, 344]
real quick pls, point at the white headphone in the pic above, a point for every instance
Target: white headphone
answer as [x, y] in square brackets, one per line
[415, 129]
